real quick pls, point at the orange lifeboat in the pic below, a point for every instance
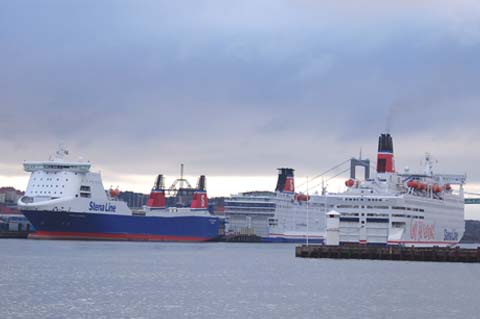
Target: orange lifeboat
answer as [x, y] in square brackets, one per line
[114, 192]
[422, 186]
[302, 197]
[447, 187]
[413, 184]
[349, 182]
[436, 188]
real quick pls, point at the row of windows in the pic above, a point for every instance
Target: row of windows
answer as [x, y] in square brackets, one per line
[407, 216]
[45, 192]
[408, 208]
[258, 205]
[357, 206]
[49, 179]
[363, 199]
[43, 185]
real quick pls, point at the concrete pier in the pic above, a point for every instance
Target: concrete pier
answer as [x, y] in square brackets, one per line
[438, 254]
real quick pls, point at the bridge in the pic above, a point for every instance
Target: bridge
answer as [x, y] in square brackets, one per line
[472, 200]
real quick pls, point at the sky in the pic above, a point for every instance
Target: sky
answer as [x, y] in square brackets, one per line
[236, 89]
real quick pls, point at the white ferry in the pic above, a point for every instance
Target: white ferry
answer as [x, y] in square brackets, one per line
[280, 216]
[414, 209]
[425, 209]
[65, 200]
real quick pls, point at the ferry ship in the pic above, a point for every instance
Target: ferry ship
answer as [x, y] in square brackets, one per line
[410, 209]
[280, 216]
[413, 209]
[65, 200]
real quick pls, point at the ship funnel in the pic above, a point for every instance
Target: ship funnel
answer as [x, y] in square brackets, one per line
[159, 182]
[200, 198]
[385, 161]
[157, 195]
[201, 185]
[285, 182]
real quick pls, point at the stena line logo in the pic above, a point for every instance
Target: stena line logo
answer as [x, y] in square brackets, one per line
[107, 207]
[450, 235]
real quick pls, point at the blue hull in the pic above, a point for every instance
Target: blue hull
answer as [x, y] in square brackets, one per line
[68, 225]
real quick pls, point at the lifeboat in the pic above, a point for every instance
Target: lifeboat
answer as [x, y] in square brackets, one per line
[412, 184]
[447, 187]
[114, 192]
[436, 188]
[422, 186]
[302, 197]
[349, 182]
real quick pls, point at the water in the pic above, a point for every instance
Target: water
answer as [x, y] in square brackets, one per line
[71, 279]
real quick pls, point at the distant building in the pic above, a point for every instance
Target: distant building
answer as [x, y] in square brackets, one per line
[9, 195]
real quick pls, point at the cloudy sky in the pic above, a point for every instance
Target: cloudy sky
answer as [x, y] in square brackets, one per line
[235, 89]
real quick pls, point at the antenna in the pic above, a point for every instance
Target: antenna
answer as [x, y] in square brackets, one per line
[308, 199]
[181, 175]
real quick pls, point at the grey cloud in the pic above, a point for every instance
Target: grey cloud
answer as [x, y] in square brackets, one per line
[236, 88]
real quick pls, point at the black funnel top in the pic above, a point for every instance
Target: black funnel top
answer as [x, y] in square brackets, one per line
[159, 182]
[283, 173]
[202, 185]
[385, 143]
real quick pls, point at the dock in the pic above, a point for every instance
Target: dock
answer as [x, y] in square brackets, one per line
[14, 234]
[241, 238]
[436, 254]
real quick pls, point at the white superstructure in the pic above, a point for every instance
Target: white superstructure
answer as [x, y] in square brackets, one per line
[423, 209]
[280, 216]
[69, 186]
[414, 209]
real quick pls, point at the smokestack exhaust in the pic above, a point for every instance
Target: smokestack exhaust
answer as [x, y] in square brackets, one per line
[385, 161]
[285, 182]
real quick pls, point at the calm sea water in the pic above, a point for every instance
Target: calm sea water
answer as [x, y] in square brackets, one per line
[71, 279]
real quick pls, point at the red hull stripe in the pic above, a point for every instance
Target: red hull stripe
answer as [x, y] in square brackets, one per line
[104, 236]
[421, 242]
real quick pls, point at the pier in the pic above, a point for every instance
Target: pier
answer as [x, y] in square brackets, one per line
[437, 254]
[14, 234]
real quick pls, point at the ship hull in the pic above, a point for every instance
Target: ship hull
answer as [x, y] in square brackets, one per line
[292, 239]
[89, 226]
